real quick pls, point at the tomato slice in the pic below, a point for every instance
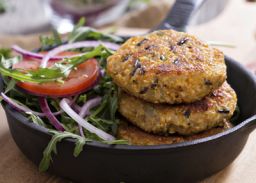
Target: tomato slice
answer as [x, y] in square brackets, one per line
[78, 81]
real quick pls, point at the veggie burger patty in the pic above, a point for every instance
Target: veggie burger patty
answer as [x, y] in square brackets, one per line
[185, 119]
[167, 66]
[136, 136]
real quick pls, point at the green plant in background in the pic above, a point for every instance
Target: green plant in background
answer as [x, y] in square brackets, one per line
[2, 7]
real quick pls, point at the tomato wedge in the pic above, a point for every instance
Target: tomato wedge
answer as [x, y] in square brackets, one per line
[78, 81]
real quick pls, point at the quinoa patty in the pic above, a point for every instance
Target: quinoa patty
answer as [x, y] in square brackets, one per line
[135, 136]
[185, 119]
[167, 66]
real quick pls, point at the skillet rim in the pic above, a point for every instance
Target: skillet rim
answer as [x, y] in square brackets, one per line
[39, 129]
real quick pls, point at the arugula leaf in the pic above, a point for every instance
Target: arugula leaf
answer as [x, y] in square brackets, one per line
[46, 74]
[52, 148]
[8, 63]
[94, 137]
[91, 136]
[55, 104]
[50, 41]
[115, 142]
[26, 77]
[80, 142]
[113, 104]
[10, 86]
[80, 23]
[69, 124]
[98, 122]
[99, 51]
[24, 99]
[68, 64]
[104, 116]
[56, 37]
[37, 120]
[5, 52]
[101, 107]
[88, 33]
[81, 99]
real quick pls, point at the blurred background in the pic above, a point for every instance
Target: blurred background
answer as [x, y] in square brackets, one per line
[31, 16]
[229, 22]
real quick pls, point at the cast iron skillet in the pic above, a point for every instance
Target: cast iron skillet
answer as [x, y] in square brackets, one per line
[183, 162]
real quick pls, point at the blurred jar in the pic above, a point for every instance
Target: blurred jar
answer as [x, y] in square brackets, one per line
[63, 14]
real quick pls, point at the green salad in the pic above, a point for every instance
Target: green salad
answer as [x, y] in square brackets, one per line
[66, 77]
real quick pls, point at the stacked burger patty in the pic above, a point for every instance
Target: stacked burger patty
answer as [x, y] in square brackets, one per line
[172, 87]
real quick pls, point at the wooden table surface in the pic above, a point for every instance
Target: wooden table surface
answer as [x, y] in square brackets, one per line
[236, 25]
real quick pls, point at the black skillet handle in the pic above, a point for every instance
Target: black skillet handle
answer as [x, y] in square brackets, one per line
[180, 14]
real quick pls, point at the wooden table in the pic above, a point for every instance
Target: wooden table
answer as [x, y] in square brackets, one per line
[236, 25]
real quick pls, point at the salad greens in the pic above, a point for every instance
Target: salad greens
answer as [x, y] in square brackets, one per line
[10, 86]
[51, 147]
[50, 41]
[5, 52]
[80, 33]
[103, 116]
[88, 33]
[37, 120]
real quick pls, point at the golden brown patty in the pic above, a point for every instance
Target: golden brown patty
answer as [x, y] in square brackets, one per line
[135, 136]
[167, 67]
[184, 119]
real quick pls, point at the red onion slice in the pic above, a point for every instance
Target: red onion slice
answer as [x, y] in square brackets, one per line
[64, 104]
[85, 110]
[76, 107]
[46, 109]
[81, 130]
[82, 44]
[25, 109]
[38, 56]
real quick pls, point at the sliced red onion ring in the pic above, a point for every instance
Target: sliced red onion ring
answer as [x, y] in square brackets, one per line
[85, 110]
[82, 44]
[102, 72]
[57, 113]
[25, 109]
[76, 107]
[46, 109]
[38, 56]
[81, 130]
[103, 135]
